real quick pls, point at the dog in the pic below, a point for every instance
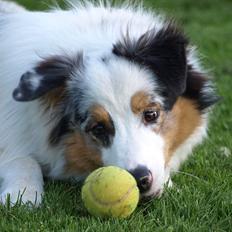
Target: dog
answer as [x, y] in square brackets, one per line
[96, 85]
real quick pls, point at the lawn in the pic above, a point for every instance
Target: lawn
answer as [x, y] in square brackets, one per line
[201, 199]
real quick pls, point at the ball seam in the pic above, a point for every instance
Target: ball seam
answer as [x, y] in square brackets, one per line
[112, 203]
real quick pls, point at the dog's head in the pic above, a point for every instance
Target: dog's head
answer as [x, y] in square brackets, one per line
[134, 107]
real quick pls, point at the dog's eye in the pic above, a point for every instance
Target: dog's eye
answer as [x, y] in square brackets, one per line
[150, 116]
[98, 130]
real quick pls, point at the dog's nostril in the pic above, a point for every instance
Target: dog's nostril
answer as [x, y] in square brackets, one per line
[145, 182]
[143, 177]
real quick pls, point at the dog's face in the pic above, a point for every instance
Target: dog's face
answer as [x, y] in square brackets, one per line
[133, 107]
[123, 117]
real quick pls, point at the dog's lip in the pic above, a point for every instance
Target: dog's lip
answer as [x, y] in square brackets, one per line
[146, 198]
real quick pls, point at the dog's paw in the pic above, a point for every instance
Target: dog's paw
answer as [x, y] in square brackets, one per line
[29, 196]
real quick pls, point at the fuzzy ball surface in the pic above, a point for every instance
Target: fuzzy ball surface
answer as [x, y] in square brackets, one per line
[110, 192]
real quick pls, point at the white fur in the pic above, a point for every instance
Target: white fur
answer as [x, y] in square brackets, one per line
[10, 7]
[22, 180]
[183, 151]
[26, 38]
[135, 145]
[112, 85]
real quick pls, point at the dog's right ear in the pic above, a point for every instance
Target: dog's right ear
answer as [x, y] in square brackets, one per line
[49, 74]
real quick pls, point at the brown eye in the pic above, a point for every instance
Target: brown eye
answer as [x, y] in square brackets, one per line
[150, 116]
[98, 130]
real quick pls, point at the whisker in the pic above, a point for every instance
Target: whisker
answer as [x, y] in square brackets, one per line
[191, 175]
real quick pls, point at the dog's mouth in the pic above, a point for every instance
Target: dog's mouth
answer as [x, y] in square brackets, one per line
[149, 196]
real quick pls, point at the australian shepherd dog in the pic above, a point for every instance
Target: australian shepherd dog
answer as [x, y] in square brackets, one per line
[96, 85]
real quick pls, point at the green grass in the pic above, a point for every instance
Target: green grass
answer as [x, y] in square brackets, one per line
[202, 197]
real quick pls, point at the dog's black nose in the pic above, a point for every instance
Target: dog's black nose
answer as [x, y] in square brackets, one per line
[143, 177]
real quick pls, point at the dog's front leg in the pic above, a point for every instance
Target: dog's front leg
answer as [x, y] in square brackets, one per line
[21, 180]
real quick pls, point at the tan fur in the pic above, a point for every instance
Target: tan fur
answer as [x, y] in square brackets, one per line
[179, 124]
[53, 98]
[99, 114]
[175, 126]
[141, 102]
[81, 157]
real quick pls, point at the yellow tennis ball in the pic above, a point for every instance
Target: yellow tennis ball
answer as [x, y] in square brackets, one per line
[110, 192]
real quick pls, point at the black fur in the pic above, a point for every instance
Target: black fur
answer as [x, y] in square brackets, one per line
[66, 125]
[200, 89]
[62, 128]
[51, 73]
[101, 132]
[164, 53]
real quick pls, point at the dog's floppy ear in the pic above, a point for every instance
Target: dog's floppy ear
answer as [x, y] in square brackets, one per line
[164, 53]
[49, 74]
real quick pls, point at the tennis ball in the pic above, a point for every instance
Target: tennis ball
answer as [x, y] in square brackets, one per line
[110, 192]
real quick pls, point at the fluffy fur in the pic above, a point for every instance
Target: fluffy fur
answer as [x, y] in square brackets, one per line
[10, 7]
[96, 85]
